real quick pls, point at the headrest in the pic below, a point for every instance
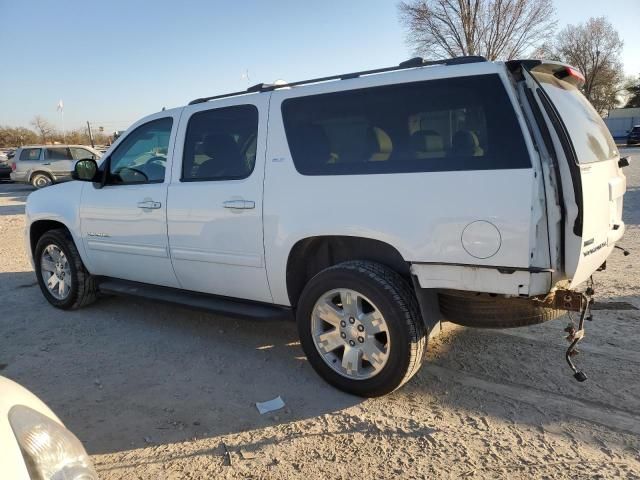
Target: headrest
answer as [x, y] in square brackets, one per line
[225, 158]
[466, 143]
[380, 145]
[427, 141]
[312, 146]
[220, 145]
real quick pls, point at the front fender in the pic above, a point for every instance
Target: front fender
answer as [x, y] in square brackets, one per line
[58, 203]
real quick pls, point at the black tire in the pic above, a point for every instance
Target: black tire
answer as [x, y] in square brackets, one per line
[397, 303]
[41, 180]
[482, 310]
[83, 286]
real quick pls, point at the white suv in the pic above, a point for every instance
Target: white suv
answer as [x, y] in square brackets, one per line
[369, 205]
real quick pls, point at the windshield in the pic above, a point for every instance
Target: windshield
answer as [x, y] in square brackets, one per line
[589, 134]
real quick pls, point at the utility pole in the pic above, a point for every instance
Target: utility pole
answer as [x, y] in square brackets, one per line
[90, 134]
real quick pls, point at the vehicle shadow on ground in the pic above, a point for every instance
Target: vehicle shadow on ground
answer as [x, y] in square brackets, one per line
[125, 373]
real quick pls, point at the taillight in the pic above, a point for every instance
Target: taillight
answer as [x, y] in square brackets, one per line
[13, 166]
[571, 75]
[575, 74]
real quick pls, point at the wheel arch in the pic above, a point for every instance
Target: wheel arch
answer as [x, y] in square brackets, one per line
[310, 255]
[44, 172]
[40, 227]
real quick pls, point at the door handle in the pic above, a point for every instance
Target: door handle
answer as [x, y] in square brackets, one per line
[239, 204]
[149, 204]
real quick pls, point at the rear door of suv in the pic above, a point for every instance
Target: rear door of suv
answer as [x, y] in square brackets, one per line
[58, 161]
[593, 184]
[215, 198]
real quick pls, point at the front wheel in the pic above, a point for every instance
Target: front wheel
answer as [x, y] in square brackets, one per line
[361, 329]
[62, 277]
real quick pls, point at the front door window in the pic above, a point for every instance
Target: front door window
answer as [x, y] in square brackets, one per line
[142, 156]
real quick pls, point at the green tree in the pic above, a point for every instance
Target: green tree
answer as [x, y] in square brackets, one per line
[633, 90]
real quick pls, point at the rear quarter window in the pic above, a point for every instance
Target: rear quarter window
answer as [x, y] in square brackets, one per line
[453, 124]
[30, 154]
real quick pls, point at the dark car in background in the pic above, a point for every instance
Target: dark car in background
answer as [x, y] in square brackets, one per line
[634, 136]
[5, 164]
[5, 170]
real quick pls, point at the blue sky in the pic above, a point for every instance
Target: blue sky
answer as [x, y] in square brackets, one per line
[113, 62]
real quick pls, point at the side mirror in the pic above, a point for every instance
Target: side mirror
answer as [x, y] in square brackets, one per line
[85, 170]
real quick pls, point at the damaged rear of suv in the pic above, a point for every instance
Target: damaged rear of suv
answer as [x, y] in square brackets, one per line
[370, 205]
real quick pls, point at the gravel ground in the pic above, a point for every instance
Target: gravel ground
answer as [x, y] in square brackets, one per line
[159, 392]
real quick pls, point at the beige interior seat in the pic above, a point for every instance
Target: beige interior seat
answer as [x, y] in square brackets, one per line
[381, 145]
[427, 144]
[466, 143]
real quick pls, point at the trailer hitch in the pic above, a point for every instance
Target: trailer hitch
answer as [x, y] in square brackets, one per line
[625, 252]
[583, 301]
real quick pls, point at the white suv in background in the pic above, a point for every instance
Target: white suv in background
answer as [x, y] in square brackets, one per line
[43, 165]
[370, 206]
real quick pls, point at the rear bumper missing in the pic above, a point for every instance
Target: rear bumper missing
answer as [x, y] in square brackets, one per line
[514, 281]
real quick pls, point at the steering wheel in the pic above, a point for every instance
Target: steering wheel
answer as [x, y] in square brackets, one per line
[157, 161]
[135, 170]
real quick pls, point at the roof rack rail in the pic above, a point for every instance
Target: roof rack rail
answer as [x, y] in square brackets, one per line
[411, 63]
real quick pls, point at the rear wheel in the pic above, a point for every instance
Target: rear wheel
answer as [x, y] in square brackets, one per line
[41, 180]
[361, 329]
[64, 281]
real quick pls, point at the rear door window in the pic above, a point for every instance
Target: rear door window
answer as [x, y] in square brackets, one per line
[30, 154]
[220, 144]
[57, 153]
[589, 135]
[453, 124]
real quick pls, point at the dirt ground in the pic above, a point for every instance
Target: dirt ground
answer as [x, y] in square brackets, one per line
[158, 392]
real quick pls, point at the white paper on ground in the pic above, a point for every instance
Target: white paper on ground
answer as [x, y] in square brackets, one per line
[270, 405]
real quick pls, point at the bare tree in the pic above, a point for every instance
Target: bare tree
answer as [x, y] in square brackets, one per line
[16, 136]
[495, 29]
[594, 47]
[43, 127]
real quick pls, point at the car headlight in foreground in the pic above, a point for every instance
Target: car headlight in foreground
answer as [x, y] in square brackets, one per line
[50, 451]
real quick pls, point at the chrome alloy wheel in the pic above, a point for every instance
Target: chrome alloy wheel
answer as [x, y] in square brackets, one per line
[350, 334]
[56, 271]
